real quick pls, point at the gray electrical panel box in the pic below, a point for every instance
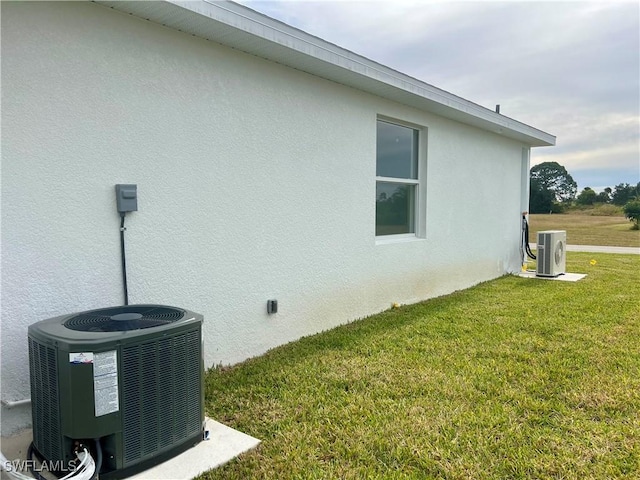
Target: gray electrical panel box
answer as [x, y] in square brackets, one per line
[127, 197]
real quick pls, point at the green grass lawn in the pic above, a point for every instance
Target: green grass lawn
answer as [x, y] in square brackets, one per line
[514, 378]
[585, 229]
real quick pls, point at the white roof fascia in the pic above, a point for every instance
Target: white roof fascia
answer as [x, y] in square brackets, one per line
[244, 29]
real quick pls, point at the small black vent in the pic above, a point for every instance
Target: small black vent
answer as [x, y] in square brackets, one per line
[125, 318]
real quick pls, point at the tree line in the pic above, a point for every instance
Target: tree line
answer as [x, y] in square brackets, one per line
[552, 189]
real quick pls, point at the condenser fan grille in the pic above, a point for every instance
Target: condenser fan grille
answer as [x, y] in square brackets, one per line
[559, 252]
[125, 318]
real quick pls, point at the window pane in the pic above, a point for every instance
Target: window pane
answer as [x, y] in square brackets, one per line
[394, 208]
[397, 151]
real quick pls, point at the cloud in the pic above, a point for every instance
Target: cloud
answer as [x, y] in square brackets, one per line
[619, 156]
[569, 68]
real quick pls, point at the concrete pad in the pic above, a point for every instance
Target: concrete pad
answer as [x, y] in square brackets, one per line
[567, 277]
[224, 444]
[15, 447]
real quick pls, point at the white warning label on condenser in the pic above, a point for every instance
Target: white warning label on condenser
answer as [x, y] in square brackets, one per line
[81, 357]
[105, 382]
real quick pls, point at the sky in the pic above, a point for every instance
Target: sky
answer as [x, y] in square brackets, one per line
[570, 68]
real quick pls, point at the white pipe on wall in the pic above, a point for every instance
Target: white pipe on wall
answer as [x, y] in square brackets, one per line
[16, 403]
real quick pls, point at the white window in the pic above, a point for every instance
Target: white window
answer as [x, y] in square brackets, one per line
[397, 179]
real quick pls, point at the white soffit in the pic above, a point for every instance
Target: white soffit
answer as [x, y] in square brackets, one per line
[239, 27]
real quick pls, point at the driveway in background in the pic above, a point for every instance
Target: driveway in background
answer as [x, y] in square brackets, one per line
[598, 249]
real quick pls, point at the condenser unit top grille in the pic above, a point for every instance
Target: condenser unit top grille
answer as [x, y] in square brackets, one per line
[125, 318]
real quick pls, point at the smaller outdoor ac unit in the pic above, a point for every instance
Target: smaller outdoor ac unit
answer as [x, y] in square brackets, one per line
[551, 255]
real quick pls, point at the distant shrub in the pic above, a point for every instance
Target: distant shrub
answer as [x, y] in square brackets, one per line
[632, 212]
[587, 197]
[597, 210]
[606, 210]
[557, 208]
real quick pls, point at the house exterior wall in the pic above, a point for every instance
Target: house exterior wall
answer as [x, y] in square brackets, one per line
[255, 182]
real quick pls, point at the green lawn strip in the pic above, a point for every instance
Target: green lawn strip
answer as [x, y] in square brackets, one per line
[514, 378]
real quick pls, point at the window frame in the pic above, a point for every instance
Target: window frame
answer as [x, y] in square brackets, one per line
[419, 183]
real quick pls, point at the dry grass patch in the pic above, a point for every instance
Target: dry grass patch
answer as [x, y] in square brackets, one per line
[587, 229]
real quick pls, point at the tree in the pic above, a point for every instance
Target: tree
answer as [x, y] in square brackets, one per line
[604, 196]
[587, 197]
[540, 199]
[624, 192]
[554, 177]
[631, 210]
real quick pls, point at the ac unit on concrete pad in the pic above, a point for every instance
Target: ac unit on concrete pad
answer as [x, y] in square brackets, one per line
[130, 377]
[551, 253]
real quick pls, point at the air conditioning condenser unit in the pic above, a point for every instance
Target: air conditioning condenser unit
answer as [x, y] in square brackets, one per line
[129, 378]
[551, 253]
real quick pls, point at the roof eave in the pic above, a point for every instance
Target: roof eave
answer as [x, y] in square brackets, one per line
[239, 27]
